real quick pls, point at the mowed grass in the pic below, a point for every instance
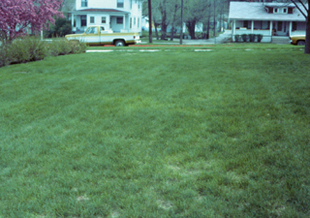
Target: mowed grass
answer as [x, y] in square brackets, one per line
[174, 133]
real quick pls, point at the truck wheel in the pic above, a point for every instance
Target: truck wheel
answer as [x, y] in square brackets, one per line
[119, 43]
[301, 42]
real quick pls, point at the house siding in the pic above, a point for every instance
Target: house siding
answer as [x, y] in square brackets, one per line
[132, 10]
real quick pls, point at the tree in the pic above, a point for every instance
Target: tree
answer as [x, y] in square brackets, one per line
[61, 28]
[16, 16]
[303, 7]
[195, 11]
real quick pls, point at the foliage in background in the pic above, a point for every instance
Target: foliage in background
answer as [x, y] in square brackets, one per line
[20, 16]
[31, 48]
[61, 28]
[166, 15]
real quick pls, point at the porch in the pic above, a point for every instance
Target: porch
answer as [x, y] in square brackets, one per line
[116, 22]
[271, 30]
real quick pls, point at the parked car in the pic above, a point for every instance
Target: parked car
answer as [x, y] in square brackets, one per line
[298, 40]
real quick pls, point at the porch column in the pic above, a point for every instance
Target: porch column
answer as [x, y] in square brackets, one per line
[109, 22]
[233, 32]
[252, 26]
[72, 20]
[290, 29]
[270, 29]
[123, 22]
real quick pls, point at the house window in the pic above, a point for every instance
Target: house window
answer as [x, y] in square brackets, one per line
[265, 25]
[139, 5]
[103, 20]
[280, 10]
[130, 4]
[84, 3]
[130, 22]
[246, 24]
[92, 20]
[83, 20]
[120, 3]
[134, 21]
[138, 22]
[119, 20]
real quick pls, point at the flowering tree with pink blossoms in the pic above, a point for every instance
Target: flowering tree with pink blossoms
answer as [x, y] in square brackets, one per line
[18, 15]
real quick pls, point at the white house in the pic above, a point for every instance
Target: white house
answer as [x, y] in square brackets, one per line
[115, 15]
[269, 19]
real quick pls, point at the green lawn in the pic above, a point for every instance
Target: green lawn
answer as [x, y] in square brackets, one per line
[173, 133]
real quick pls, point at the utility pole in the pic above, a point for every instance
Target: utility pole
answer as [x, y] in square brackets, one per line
[181, 35]
[150, 22]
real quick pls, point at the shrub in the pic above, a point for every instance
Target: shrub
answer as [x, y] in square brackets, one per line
[78, 47]
[27, 49]
[259, 37]
[252, 37]
[4, 54]
[245, 37]
[32, 49]
[61, 46]
[237, 38]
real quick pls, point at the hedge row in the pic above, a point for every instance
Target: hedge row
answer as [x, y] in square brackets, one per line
[248, 38]
[32, 49]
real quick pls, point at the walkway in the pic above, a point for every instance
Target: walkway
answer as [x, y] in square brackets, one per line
[218, 40]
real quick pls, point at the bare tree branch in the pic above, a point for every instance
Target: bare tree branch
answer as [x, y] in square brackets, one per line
[303, 5]
[299, 9]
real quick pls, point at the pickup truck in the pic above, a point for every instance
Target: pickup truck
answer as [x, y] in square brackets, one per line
[97, 35]
[298, 39]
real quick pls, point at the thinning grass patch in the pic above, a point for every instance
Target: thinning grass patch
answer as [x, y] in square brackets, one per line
[168, 134]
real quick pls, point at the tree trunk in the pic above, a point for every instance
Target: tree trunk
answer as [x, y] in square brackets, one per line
[191, 28]
[172, 33]
[220, 27]
[208, 27]
[156, 32]
[150, 21]
[307, 45]
[163, 20]
[214, 25]
[163, 31]
[181, 34]
[173, 21]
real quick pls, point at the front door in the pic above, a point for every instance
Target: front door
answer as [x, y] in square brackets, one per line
[281, 28]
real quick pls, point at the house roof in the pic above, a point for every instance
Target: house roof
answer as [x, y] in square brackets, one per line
[105, 10]
[256, 11]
